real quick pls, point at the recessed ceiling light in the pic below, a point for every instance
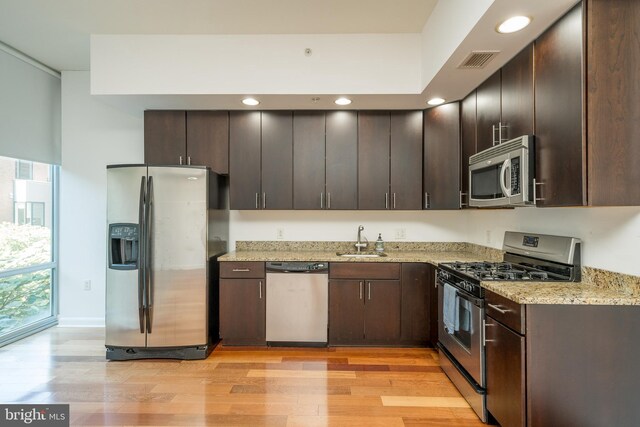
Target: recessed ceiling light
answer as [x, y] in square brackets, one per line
[435, 101]
[513, 24]
[250, 101]
[343, 101]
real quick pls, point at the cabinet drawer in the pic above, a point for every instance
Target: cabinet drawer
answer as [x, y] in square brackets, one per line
[364, 270]
[505, 311]
[242, 270]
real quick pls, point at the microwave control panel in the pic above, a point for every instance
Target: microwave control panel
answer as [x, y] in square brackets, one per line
[515, 176]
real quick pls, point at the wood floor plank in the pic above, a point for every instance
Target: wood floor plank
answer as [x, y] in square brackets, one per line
[343, 421]
[265, 373]
[425, 401]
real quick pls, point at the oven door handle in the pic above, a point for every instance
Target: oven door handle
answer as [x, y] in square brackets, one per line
[478, 302]
[506, 165]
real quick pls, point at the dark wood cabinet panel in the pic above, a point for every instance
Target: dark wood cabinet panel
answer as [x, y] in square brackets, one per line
[488, 111]
[382, 312]
[346, 312]
[468, 136]
[342, 159]
[165, 137]
[373, 160]
[442, 157]
[506, 370]
[613, 110]
[242, 269]
[277, 160]
[242, 311]
[309, 160]
[517, 95]
[356, 270]
[415, 311]
[406, 160]
[244, 159]
[560, 146]
[208, 140]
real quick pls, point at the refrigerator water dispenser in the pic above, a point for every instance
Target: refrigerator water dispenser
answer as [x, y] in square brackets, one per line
[123, 246]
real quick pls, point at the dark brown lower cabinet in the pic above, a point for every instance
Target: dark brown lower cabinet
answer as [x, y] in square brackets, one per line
[242, 311]
[364, 312]
[505, 365]
[417, 317]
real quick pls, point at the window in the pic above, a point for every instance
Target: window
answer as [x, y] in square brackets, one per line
[28, 266]
[24, 169]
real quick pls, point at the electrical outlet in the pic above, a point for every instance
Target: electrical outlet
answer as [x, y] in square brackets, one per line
[87, 285]
[280, 233]
[400, 233]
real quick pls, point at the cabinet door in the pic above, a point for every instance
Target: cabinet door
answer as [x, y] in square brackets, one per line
[277, 160]
[308, 160]
[342, 159]
[406, 160]
[244, 159]
[242, 311]
[488, 113]
[468, 135]
[442, 157]
[165, 137]
[373, 160]
[415, 315]
[346, 312]
[517, 95]
[505, 365]
[382, 312]
[560, 146]
[208, 139]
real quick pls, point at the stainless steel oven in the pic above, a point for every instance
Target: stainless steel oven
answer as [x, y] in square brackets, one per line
[503, 175]
[460, 345]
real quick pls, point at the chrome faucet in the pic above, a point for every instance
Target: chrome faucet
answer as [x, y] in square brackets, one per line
[359, 243]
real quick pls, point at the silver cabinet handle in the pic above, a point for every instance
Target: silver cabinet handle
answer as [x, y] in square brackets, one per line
[386, 200]
[241, 270]
[497, 308]
[328, 200]
[260, 288]
[427, 200]
[536, 199]
[369, 290]
[361, 283]
[189, 160]
[264, 200]
[460, 200]
[484, 332]
[180, 159]
[257, 200]
[321, 200]
[493, 135]
[394, 200]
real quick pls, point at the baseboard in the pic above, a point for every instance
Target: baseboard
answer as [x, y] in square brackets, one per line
[80, 322]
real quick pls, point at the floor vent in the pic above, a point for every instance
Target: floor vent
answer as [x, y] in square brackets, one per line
[478, 59]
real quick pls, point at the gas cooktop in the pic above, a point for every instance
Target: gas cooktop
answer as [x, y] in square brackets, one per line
[501, 271]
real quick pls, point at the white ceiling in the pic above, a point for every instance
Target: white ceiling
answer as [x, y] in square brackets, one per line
[56, 32]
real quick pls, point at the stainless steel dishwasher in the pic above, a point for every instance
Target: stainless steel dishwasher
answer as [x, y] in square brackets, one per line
[297, 303]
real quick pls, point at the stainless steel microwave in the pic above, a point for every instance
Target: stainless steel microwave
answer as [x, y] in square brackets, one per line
[503, 175]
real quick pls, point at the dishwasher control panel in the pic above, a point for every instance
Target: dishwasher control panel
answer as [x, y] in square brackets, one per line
[297, 267]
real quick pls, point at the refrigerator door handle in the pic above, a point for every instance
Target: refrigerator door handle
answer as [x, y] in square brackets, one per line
[141, 255]
[147, 253]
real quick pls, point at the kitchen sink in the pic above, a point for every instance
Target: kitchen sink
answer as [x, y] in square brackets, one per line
[361, 254]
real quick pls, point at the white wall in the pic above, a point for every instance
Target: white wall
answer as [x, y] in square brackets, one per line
[93, 136]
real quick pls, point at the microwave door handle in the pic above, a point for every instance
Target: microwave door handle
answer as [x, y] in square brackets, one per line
[503, 172]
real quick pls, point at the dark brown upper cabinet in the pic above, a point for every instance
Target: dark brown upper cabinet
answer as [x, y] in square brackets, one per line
[309, 160]
[373, 159]
[442, 157]
[488, 99]
[468, 136]
[389, 153]
[277, 160]
[244, 160]
[406, 160]
[208, 140]
[199, 138]
[165, 137]
[517, 95]
[341, 160]
[560, 143]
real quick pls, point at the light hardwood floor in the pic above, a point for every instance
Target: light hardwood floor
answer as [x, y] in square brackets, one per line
[234, 386]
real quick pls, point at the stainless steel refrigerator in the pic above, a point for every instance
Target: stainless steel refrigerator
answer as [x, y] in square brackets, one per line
[166, 226]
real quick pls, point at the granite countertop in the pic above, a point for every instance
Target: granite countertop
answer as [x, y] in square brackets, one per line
[598, 287]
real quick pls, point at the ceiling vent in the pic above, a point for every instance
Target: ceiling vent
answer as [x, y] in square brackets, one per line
[478, 59]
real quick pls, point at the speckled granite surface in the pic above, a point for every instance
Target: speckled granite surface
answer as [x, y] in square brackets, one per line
[598, 287]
